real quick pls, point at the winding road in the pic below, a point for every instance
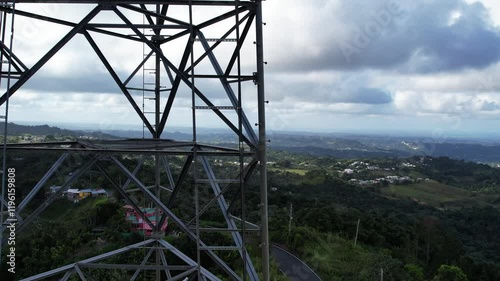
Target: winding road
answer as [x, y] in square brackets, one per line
[291, 266]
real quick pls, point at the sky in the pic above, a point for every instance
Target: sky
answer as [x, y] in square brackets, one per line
[427, 66]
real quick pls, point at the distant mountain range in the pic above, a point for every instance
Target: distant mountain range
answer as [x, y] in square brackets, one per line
[315, 144]
[17, 130]
[363, 146]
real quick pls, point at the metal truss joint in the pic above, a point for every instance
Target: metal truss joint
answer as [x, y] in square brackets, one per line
[108, 6]
[157, 38]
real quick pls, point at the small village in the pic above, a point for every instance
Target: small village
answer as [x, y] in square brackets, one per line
[362, 174]
[75, 195]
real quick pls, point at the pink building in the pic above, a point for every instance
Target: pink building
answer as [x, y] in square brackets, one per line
[138, 224]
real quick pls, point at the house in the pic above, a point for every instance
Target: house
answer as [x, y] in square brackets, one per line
[84, 193]
[140, 225]
[72, 194]
[76, 195]
[392, 179]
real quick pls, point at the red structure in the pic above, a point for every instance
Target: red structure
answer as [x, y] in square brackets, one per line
[138, 224]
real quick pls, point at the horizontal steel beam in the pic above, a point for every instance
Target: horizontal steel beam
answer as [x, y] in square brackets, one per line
[119, 2]
[135, 266]
[118, 25]
[241, 77]
[215, 229]
[67, 23]
[132, 144]
[133, 151]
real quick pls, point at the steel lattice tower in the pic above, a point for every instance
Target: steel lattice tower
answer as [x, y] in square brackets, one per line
[235, 22]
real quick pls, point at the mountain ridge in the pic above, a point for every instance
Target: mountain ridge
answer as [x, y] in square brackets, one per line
[14, 129]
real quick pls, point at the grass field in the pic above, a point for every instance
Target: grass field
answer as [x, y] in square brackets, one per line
[436, 194]
[301, 172]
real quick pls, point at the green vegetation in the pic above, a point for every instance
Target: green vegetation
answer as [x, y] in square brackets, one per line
[470, 176]
[67, 237]
[336, 259]
[435, 194]
[438, 218]
[301, 172]
[413, 228]
[450, 273]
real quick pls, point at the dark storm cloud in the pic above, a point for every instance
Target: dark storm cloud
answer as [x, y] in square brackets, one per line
[470, 42]
[414, 37]
[329, 93]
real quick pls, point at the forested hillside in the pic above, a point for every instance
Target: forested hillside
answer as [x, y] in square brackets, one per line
[400, 233]
[419, 217]
[51, 132]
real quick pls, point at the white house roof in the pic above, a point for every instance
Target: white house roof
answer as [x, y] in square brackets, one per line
[87, 190]
[99, 191]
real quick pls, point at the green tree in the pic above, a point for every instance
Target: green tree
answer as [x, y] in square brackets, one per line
[285, 163]
[450, 273]
[415, 272]
[392, 269]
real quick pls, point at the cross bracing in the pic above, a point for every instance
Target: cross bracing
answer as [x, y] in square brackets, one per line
[174, 72]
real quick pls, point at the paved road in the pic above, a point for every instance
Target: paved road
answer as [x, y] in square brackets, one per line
[292, 267]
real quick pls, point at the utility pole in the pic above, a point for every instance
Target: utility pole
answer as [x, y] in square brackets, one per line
[291, 218]
[357, 231]
[381, 274]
